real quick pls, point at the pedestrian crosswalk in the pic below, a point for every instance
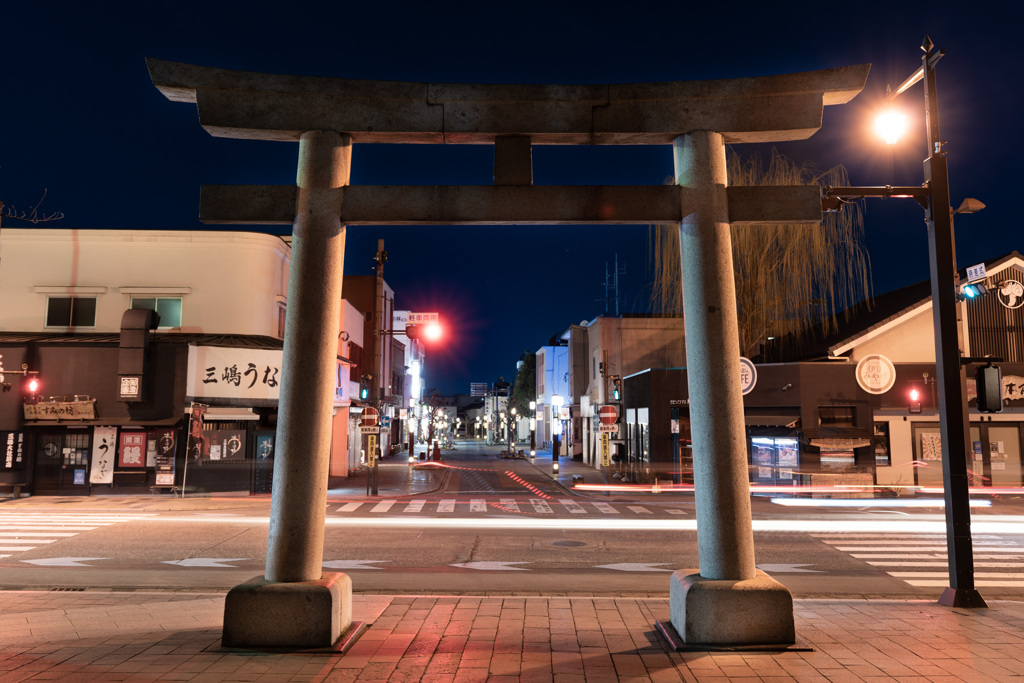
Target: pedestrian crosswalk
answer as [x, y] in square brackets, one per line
[24, 531]
[920, 559]
[504, 506]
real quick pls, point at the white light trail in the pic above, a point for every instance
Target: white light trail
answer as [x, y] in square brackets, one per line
[872, 503]
[1001, 524]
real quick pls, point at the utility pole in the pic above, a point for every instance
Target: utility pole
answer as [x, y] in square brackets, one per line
[377, 385]
[611, 285]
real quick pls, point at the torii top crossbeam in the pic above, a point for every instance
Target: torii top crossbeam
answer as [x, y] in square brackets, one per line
[242, 104]
[256, 106]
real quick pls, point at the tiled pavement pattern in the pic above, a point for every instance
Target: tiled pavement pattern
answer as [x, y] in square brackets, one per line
[121, 636]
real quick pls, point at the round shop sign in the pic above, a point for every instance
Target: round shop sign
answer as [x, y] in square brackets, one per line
[748, 375]
[875, 374]
[1011, 294]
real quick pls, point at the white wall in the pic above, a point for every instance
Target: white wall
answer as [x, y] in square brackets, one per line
[910, 339]
[230, 282]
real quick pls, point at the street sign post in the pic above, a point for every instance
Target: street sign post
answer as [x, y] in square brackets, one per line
[369, 423]
[606, 459]
[609, 417]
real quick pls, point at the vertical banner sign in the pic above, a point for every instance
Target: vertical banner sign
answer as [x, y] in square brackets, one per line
[371, 450]
[103, 441]
[164, 456]
[131, 450]
[606, 460]
[197, 444]
[264, 474]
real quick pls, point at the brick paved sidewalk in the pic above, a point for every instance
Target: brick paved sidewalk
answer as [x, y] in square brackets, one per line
[121, 636]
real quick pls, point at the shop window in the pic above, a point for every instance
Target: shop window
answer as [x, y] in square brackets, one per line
[775, 460]
[167, 307]
[881, 444]
[71, 311]
[837, 416]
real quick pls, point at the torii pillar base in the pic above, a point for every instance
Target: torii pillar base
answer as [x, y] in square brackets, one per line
[301, 615]
[724, 613]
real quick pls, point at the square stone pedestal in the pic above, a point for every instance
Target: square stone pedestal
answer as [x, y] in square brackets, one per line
[301, 615]
[756, 611]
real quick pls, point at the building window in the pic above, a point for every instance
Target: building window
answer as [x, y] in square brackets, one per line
[70, 311]
[281, 310]
[167, 307]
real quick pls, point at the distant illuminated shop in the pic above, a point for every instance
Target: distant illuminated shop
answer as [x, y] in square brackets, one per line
[806, 424]
[813, 425]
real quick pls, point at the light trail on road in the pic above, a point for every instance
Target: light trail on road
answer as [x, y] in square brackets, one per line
[1002, 524]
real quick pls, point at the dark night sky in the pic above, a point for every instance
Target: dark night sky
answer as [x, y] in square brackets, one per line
[81, 119]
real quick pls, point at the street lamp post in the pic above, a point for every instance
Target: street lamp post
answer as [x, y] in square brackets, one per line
[512, 428]
[952, 378]
[533, 429]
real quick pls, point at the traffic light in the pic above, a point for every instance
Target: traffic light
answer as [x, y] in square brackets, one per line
[32, 387]
[616, 388]
[914, 400]
[364, 387]
[989, 382]
[973, 290]
[429, 332]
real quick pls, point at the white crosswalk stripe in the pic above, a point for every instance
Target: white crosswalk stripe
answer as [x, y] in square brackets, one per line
[511, 505]
[540, 506]
[899, 554]
[24, 531]
[572, 506]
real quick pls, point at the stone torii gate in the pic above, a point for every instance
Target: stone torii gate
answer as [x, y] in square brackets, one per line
[727, 601]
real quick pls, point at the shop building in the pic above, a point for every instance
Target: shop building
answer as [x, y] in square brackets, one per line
[134, 401]
[860, 407]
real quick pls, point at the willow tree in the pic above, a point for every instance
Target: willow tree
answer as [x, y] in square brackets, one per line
[790, 278]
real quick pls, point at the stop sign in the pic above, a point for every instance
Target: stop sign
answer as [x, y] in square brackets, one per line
[369, 417]
[609, 415]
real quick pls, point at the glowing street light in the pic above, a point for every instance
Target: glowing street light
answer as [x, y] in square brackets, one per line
[891, 125]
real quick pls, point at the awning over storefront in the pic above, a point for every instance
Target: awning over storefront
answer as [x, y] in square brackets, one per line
[226, 414]
[777, 418]
[840, 444]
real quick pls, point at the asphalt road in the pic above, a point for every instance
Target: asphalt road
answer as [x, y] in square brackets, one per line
[501, 526]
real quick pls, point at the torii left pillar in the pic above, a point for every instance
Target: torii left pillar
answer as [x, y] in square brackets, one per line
[296, 605]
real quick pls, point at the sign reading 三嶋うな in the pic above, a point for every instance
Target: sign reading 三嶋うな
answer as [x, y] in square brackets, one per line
[875, 373]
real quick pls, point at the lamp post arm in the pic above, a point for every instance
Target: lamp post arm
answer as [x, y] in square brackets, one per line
[833, 198]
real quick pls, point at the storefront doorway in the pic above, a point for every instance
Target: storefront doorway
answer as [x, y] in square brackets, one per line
[995, 457]
[62, 462]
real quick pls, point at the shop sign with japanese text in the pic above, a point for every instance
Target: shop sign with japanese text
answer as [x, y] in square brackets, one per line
[223, 372]
[131, 451]
[61, 410]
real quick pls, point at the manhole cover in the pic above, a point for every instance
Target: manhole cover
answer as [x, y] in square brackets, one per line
[568, 544]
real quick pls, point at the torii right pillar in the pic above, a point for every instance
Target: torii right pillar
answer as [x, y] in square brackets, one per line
[728, 601]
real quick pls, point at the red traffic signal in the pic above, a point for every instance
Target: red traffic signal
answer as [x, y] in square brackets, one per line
[32, 387]
[429, 332]
[914, 400]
